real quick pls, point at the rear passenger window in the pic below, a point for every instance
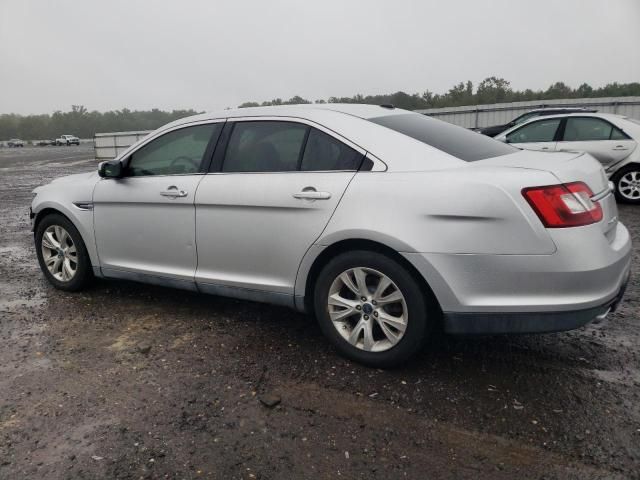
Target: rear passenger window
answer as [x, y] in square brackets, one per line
[264, 146]
[585, 129]
[323, 152]
[617, 134]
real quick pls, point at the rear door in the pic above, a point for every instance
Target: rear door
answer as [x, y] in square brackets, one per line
[273, 187]
[537, 135]
[603, 140]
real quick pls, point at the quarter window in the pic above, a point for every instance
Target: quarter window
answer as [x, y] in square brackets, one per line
[323, 152]
[264, 146]
[580, 129]
[539, 131]
[174, 153]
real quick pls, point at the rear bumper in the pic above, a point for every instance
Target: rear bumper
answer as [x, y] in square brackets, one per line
[489, 294]
[528, 322]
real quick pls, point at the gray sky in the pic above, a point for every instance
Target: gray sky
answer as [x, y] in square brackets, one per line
[207, 54]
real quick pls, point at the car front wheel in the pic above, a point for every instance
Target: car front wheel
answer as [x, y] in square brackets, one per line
[372, 308]
[62, 254]
[627, 184]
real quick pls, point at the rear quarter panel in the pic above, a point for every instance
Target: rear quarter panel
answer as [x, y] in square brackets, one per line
[461, 210]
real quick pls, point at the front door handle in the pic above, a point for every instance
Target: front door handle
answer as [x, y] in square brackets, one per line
[310, 193]
[173, 192]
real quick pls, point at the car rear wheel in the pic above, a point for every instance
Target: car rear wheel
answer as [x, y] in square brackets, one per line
[627, 184]
[371, 308]
[62, 254]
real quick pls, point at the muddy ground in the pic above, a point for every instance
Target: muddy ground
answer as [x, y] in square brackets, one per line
[133, 381]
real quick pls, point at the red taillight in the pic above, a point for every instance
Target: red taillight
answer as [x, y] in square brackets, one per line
[566, 205]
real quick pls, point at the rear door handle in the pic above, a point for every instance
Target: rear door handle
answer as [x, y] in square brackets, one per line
[310, 193]
[173, 192]
[620, 147]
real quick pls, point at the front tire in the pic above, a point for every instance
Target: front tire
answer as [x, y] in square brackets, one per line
[627, 184]
[62, 254]
[372, 309]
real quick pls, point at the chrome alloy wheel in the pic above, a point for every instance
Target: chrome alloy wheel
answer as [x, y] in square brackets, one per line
[629, 185]
[59, 253]
[367, 309]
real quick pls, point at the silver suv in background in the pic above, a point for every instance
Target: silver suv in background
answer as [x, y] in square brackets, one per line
[383, 223]
[611, 139]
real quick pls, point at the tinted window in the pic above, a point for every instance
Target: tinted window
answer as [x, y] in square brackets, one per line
[323, 152]
[177, 152]
[539, 131]
[264, 146]
[457, 141]
[579, 129]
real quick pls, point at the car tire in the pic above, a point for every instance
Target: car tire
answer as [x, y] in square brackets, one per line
[57, 267]
[626, 190]
[368, 321]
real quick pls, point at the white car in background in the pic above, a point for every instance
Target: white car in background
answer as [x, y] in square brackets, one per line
[67, 140]
[611, 139]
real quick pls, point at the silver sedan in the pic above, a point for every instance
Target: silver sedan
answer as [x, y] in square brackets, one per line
[385, 224]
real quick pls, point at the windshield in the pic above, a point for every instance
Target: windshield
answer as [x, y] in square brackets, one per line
[456, 141]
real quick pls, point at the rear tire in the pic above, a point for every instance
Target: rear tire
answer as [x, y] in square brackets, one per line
[627, 184]
[381, 325]
[62, 254]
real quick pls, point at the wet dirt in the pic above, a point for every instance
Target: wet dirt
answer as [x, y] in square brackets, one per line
[134, 381]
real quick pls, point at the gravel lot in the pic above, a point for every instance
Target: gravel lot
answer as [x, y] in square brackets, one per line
[134, 381]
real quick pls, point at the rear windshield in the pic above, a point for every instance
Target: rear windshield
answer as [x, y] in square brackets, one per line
[457, 141]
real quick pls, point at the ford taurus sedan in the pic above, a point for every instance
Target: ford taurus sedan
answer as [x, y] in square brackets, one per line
[385, 224]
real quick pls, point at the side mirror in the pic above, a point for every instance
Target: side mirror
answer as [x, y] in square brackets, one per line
[112, 169]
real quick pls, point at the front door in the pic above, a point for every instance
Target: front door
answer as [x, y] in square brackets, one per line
[273, 195]
[145, 222]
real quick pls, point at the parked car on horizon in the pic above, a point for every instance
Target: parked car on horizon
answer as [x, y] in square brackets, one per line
[610, 139]
[538, 112]
[15, 142]
[385, 224]
[67, 140]
[45, 143]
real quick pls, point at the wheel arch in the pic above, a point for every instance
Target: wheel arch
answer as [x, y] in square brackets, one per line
[619, 173]
[87, 238]
[304, 301]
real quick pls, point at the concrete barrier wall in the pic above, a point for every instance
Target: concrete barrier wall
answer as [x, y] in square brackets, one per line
[478, 116]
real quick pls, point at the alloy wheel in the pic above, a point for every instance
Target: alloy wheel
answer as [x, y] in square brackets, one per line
[368, 309]
[59, 253]
[629, 185]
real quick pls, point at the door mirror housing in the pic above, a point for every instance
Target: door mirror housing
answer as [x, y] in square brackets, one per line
[111, 169]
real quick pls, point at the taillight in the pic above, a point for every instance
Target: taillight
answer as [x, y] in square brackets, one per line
[565, 205]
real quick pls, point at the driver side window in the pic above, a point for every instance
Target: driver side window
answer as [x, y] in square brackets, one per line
[178, 152]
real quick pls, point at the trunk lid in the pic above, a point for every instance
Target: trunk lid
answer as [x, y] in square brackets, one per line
[566, 166]
[569, 167]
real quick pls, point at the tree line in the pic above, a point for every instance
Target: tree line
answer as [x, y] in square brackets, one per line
[83, 123]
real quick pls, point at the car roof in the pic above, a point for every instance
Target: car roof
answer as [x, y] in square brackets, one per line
[609, 116]
[308, 111]
[567, 109]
